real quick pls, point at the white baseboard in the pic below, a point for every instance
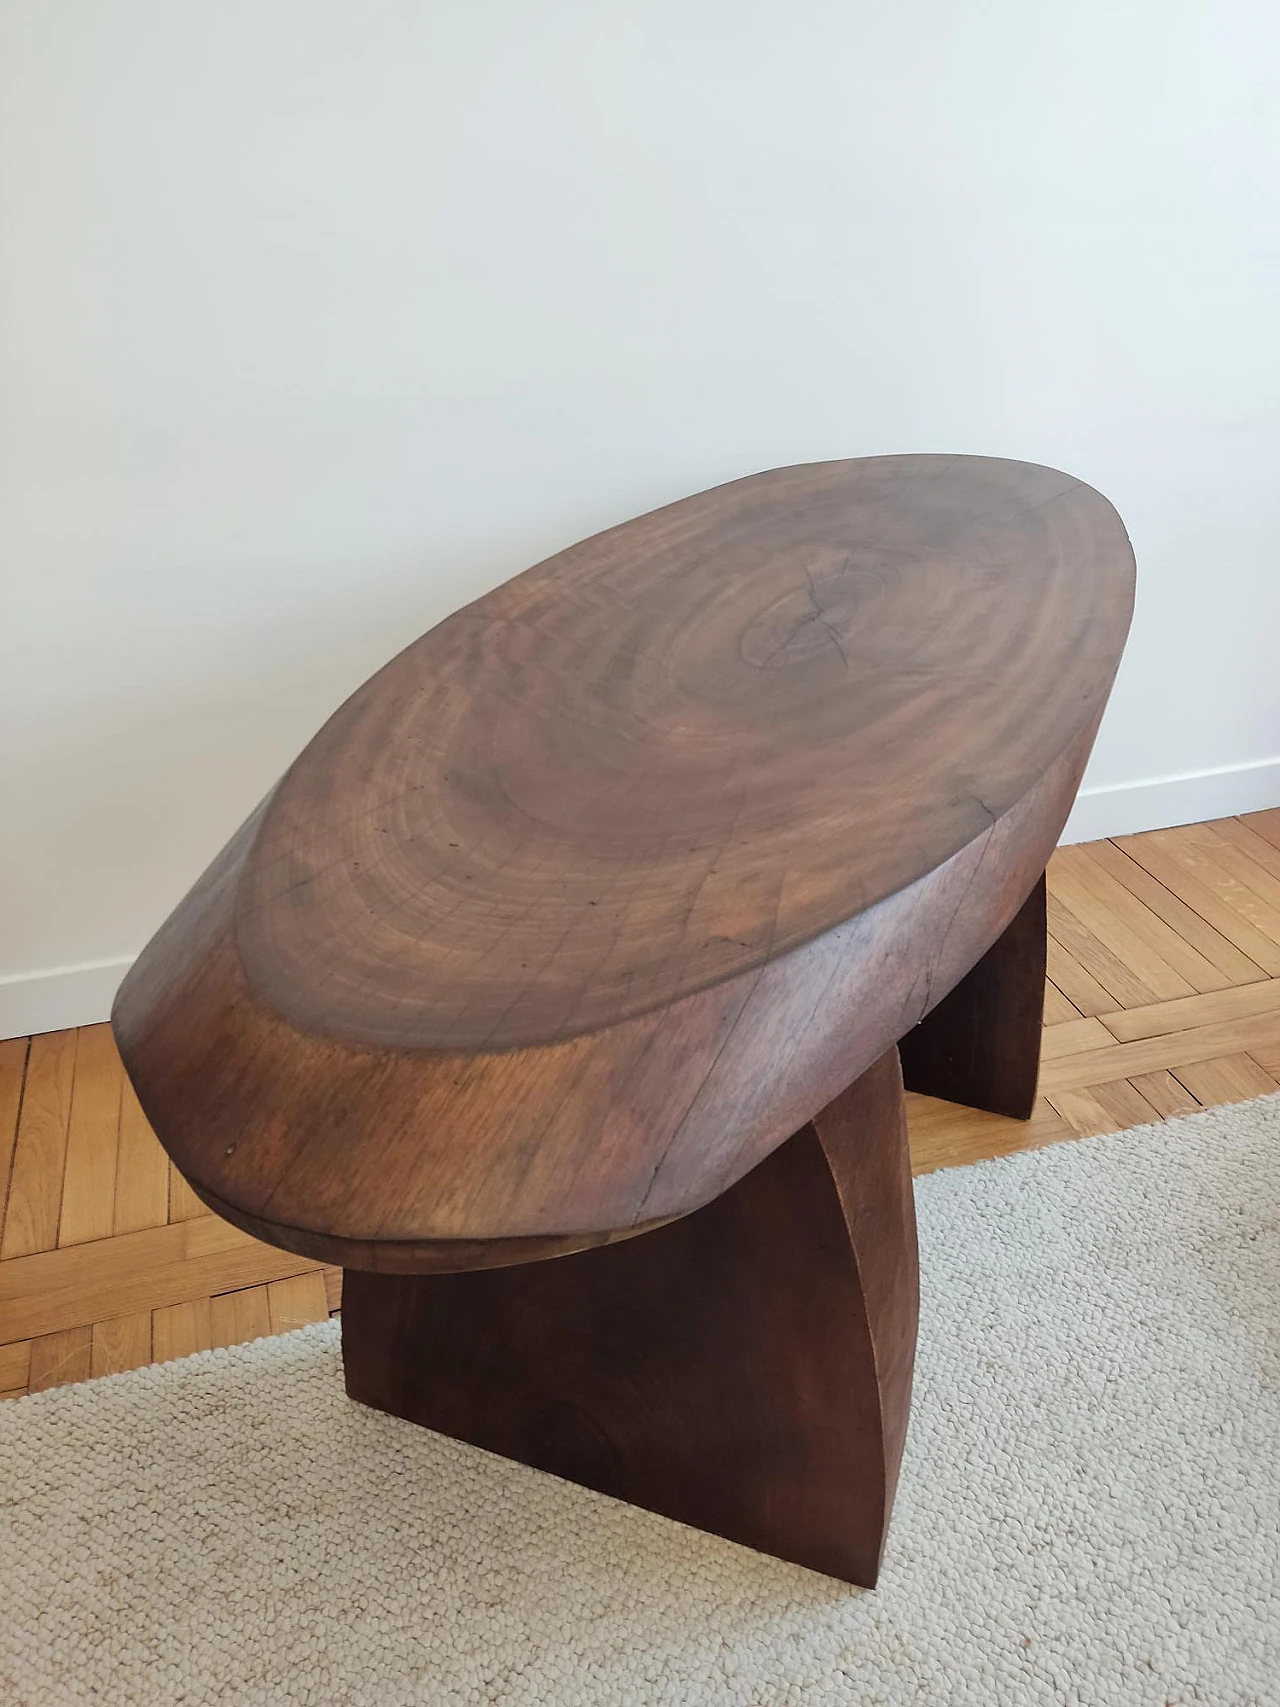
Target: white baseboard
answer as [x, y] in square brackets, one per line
[82, 995]
[62, 997]
[1127, 808]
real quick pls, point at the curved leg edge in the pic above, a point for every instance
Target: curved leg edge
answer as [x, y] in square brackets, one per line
[745, 1370]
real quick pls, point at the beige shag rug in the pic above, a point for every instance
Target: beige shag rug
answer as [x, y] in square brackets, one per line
[1088, 1512]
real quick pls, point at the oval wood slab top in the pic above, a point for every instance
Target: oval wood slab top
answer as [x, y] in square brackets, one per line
[683, 747]
[646, 769]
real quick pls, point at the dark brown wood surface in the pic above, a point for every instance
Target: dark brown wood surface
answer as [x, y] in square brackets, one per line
[981, 1044]
[679, 749]
[596, 894]
[746, 1369]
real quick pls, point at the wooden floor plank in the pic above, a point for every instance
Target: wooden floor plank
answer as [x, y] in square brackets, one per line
[1126, 1104]
[178, 1330]
[1080, 987]
[1165, 1094]
[122, 1343]
[13, 1068]
[1219, 950]
[944, 1134]
[1242, 1002]
[1071, 1038]
[93, 1135]
[1229, 1078]
[142, 1171]
[1108, 1107]
[35, 1185]
[1110, 921]
[1124, 987]
[78, 1284]
[1265, 824]
[1120, 918]
[58, 1359]
[1057, 1009]
[1251, 872]
[1260, 849]
[1149, 1054]
[1268, 1058]
[295, 1302]
[239, 1316]
[1236, 879]
[333, 1288]
[15, 1366]
[184, 1205]
[1183, 868]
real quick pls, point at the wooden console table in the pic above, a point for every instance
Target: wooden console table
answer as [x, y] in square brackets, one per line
[593, 927]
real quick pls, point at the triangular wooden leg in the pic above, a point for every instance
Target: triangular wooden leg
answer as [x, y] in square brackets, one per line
[746, 1369]
[981, 1044]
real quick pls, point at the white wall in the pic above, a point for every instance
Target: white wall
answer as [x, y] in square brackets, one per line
[319, 318]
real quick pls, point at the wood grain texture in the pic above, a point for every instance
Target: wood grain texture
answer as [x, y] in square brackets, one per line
[184, 1205]
[1127, 924]
[142, 1172]
[120, 1343]
[1057, 1009]
[1123, 986]
[87, 1285]
[1208, 892]
[1191, 927]
[1242, 1002]
[746, 1369]
[295, 1302]
[15, 1366]
[238, 1316]
[463, 1161]
[179, 1330]
[39, 1157]
[1103, 1108]
[1265, 824]
[59, 1359]
[13, 1070]
[50, 1291]
[598, 892]
[93, 1130]
[1163, 1092]
[1073, 1036]
[1229, 1078]
[1083, 990]
[626, 775]
[980, 1045]
[1173, 1050]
